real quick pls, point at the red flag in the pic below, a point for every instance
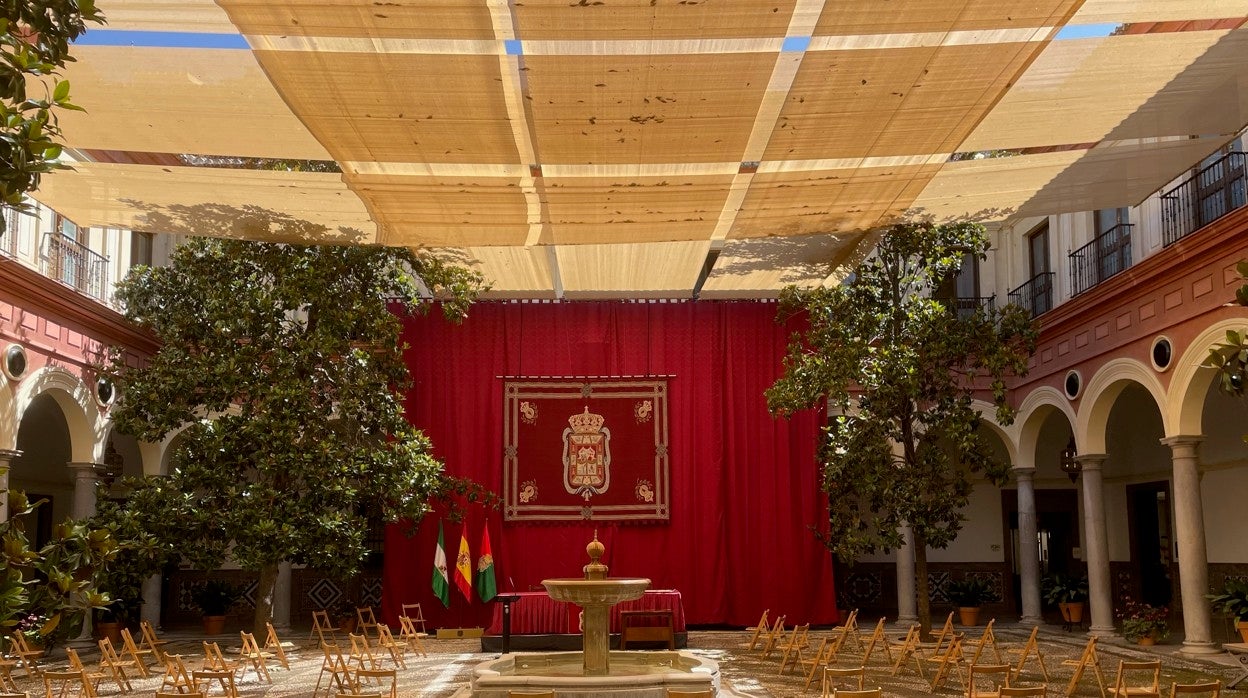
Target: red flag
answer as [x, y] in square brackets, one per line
[486, 587]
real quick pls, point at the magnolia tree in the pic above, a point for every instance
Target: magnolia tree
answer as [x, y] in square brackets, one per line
[899, 367]
[281, 371]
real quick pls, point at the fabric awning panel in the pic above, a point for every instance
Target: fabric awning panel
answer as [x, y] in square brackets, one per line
[657, 269]
[261, 205]
[199, 101]
[758, 267]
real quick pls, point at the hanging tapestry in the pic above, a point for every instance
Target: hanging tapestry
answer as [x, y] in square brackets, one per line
[585, 449]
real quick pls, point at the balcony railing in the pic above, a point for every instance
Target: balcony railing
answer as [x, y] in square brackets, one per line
[1100, 259]
[75, 264]
[1035, 296]
[968, 305]
[1211, 193]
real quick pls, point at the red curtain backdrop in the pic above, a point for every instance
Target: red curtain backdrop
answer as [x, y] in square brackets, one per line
[744, 484]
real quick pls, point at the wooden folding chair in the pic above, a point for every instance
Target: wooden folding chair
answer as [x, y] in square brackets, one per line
[1027, 650]
[877, 639]
[850, 626]
[950, 659]
[135, 653]
[759, 629]
[203, 679]
[214, 660]
[673, 693]
[336, 667]
[20, 651]
[906, 648]
[357, 695]
[987, 639]
[385, 641]
[271, 642]
[177, 680]
[1040, 691]
[824, 656]
[946, 634]
[1147, 673]
[378, 676]
[415, 640]
[250, 653]
[799, 640]
[865, 693]
[412, 611]
[833, 675]
[366, 618]
[192, 694]
[361, 653]
[773, 636]
[998, 674]
[1213, 688]
[95, 677]
[321, 624]
[151, 642]
[114, 665]
[64, 680]
[537, 694]
[1087, 658]
[7, 685]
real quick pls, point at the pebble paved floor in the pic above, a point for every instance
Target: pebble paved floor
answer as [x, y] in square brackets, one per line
[447, 668]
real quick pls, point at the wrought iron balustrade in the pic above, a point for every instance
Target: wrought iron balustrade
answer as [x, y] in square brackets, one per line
[1214, 191]
[968, 305]
[9, 231]
[1108, 254]
[75, 264]
[1035, 296]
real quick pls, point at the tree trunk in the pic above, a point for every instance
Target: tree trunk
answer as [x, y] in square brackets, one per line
[264, 597]
[922, 587]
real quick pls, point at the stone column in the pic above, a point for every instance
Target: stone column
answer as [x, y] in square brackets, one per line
[6, 459]
[151, 600]
[907, 601]
[85, 481]
[1100, 600]
[281, 598]
[1028, 555]
[1189, 532]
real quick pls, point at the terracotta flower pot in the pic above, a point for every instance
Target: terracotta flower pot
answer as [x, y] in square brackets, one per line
[1072, 612]
[969, 615]
[1242, 626]
[214, 625]
[1146, 640]
[110, 630]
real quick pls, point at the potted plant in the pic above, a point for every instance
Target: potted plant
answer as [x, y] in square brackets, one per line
[1069, 593]
[1144, 624]
[214, 598]
[343, 612]
[1233, 602]
[968, 595]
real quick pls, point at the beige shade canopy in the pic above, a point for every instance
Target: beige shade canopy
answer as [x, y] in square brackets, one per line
[642, 147]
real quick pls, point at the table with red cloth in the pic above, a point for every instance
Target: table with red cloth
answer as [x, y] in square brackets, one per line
[535, 613]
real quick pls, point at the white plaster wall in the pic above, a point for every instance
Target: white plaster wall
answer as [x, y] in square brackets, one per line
[1222, 492]
[980, 539]
[1116, 521]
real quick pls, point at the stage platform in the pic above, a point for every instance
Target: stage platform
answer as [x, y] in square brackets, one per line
[568, 642]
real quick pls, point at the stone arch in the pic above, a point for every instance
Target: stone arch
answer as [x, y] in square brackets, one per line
[1032, 412]
[1103, 390]
[77, 405]
[1182, 412]
[988, 412]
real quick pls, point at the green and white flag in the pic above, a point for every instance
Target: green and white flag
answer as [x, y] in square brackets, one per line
[441, 583]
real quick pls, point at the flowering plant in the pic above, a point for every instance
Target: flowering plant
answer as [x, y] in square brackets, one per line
[1141, 620]
[29, 626]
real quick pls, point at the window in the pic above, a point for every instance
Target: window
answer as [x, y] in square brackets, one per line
[141, 248]
[1038, 250]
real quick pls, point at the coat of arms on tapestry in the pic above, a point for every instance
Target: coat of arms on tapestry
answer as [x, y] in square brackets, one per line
[578, 448]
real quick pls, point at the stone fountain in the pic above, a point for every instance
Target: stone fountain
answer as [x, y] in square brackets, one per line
[596, 670]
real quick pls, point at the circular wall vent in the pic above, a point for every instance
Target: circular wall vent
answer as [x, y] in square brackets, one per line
[1073, 384]
[1162, 353]
[104, 391]
[15, 361]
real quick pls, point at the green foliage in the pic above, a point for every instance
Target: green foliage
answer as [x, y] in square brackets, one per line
[1141, 620]
[1231, 358]
[971, 592]
[899, 367]
[284, 365]
[1064, 588]
[56, 583]
[215, 597]
[139, 555]
[1232, 600]
[35, 44]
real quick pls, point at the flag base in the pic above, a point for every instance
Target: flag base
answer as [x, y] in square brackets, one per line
[456, 633]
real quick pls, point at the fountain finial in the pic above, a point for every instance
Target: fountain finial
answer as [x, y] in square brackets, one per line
[595, 569]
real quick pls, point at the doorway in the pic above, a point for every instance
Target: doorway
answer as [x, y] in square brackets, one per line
[1057, 535]
[1148, 516]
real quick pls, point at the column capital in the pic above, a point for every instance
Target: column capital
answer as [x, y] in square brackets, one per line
[7, 455]
[1177, 443]
[1023, 472]
[85, 471]
[1091, 461]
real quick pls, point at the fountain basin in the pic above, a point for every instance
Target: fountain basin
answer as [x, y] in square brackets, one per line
[632, 675]
[584, 592]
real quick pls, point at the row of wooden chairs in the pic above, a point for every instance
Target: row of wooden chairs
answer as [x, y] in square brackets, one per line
[410, 618]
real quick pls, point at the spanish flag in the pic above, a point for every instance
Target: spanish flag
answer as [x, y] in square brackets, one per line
[463, 566]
